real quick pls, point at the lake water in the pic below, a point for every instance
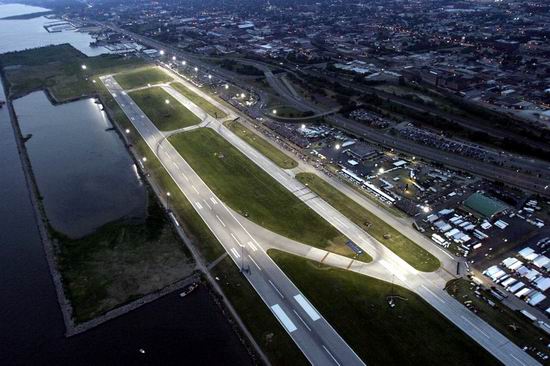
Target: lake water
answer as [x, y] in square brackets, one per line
[20, 34]
[170, 330]
[83, 171]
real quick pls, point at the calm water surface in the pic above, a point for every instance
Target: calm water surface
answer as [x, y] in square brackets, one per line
[82, 170]
[171, 330]
[20, 34]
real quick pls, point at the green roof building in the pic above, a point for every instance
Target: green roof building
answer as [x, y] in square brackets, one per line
[484, 206]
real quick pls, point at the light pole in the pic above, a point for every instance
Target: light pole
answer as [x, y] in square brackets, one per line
[168, 201]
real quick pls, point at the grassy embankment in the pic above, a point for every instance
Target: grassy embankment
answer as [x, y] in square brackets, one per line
[281, 159]
[166, 116]
[247, 189]
[357, 307]
[122, 260]
[59, 69]
[512, 324]
[208, 107]
[411, 252]
[141, 77]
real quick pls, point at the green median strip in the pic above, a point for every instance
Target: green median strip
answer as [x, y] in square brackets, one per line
[408, 250]
[199, 101]
[357, 306]
[163, 110]
[253, 193]
[141, 77]
[264, 147]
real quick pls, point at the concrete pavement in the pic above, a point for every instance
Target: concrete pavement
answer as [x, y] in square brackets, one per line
[319, 342]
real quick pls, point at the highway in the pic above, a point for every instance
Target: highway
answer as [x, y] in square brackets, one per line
[319, 342]
[268, 280]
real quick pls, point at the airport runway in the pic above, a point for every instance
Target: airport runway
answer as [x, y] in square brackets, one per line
[319, 342]
[271, 283]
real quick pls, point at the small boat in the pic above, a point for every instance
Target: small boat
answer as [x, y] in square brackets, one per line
[189, 289]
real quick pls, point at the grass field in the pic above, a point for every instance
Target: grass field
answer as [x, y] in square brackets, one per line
[264, 147]
[59, 69]
[208, 107]
[166, 116]
[253, 193]
[265, 328]
[413, 254]
[357, 307]
[501, 317]
[141, 77]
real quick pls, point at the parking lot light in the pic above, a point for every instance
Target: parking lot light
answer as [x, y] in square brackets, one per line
[184, 62]
[381, 171]
[303, 126]
[337, 147]
[162, 52]
[274, 111]
[196, 69]
[173, 58]
[127, 131]
[226, 86]
[243, 95]
[84, 67]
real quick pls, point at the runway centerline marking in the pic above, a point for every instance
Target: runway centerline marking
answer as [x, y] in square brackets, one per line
[195, 189]
[475, 326]
[276, 289]
[237, 240]
[220, 220]
[331, 356]
[198, 205]
[302, 320]
[253, 261]
[433, 294]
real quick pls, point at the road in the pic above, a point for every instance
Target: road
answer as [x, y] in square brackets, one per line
[319, 342]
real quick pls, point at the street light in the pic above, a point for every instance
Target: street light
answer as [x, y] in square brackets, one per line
[162, 52]
[226, 86]
[243, 95]
[168, 201]
[127, 131]
[184, 62]
[209, 76]
[173, 58]
[426, 209]
[144, 159]
[196, 69]
[337, 147]
[381, 170]
[274, 111]
[84, 67]
[166, 101]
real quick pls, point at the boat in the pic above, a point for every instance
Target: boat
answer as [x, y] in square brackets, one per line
[189, 289]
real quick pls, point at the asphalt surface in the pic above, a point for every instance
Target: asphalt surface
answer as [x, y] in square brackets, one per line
[272, 285]
[319, 342]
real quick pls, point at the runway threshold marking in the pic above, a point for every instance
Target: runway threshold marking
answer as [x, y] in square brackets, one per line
[475, 326]
[331, 356]
[308, 308]
[235, 253]
[220, 220]
[251, 245]
[283, 318]
[253, 261]
[276, 289]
